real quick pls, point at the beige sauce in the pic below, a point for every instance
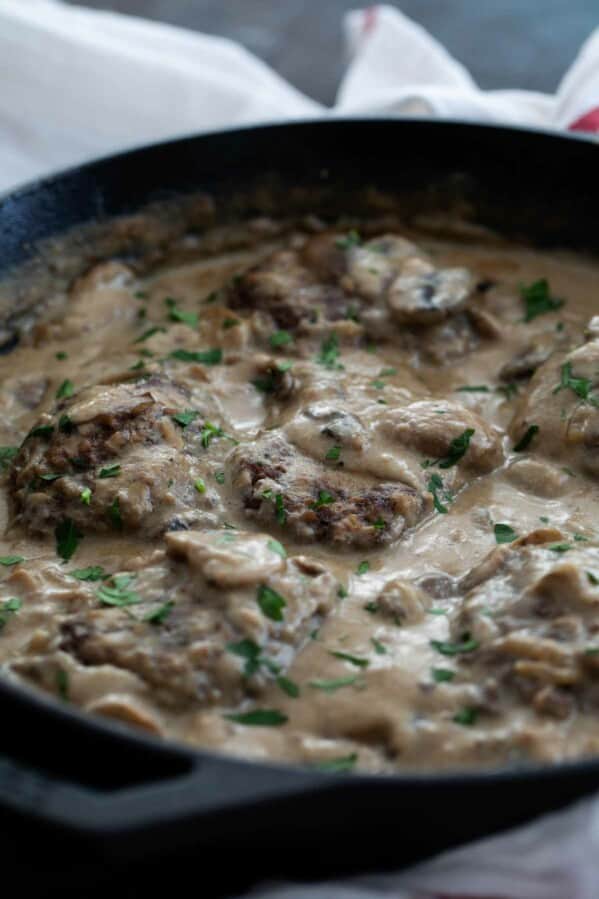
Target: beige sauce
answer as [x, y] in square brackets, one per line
[297, 526]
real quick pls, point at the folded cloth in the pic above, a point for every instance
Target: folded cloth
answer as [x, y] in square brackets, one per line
[78, 83]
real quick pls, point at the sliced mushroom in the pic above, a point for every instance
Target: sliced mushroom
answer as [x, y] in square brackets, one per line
[423, 295]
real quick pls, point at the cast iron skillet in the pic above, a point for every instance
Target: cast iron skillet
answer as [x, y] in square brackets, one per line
[123, 796]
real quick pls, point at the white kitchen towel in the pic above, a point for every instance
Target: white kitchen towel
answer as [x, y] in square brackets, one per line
[76, 83]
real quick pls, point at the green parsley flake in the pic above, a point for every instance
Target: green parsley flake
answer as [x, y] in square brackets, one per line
[504, 533]
[379, 648]
[159, 615]
[329, 352]
[259, 718]
[86, 496]
[560, 547]
[9, 608]
[179, 315]
[65, 424]
[114, 514]
[271, 603]
[442, 675]
[592, 578]
[371, 607]
[111, 471]
[363, 567]
[62, 684]
[339, 764]
[387, 372]
[277, 548]
[324, 499]
[230, 323]
[149, 333]
[580, 386]
[330, 686]
[538, 300]
[118, 594]
[67, 538]
[205, 357]
[281, 513]
[93, 573]
[466, 716]
[351, 239]
[250, 652]
[473, 388]
[342, 592]
[378, 385]
[435, 487]
[61, 356]
[466, 644]
[280, 338]
[67, 388]
[508, 390]
[346, 657]
[185, 418]
[209, 432]
[288, 686]
[457, 448]
[7, 454]
[525, 440]
[219, 477]
[333, 454]
[41, 431]
[11, 560]
[200, 486]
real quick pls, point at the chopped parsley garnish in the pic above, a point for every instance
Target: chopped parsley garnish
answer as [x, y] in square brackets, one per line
[288, 686]
[277, 548]
[62, 684]
[435, 487]
[111, 471]
[580, 386]
[341, 763]
[86, 496]
[324, 499]
[114, 513]
[65, 424]
[560, 547]
[457, 448]
[466, 716]
[592, 578]
[200, 486]
[159, 615]
[50, 477]
[342, 592]
[352, 239]
[185, 418]
[329, 352]
[504, 533]
[525, 440]
[281, 512]
[363, 567]
[538, 300]
[387, 372]
[379, 648]
[219, 477]
[179, 315]
[61, 356]
[11, 560]
[271, 603]
[209, 432]
[446, 648]
[138, 366]
[248, 650]
[378, 385]
[371, 607]
[67, 388]
[206, 357]
[379, 524]
[42, 431]
[436, 610]
[118, 594]
[259, 718]
[93, 573]
[7, 454]
[346, 657]
[9, 607]
[473, 388]
[442, 675]
[280, 338]
[67, 536]
[330, 686]
[508, 390]
[149, 333]
[333, 454]
[229, 323]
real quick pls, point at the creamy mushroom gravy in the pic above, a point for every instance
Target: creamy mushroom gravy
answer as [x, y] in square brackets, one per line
[330, 499]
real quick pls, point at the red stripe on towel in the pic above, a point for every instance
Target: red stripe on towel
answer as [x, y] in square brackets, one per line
[587, 122]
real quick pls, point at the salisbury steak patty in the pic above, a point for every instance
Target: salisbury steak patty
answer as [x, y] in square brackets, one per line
[118, 456]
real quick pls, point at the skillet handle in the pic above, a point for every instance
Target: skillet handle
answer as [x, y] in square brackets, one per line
[164, 813]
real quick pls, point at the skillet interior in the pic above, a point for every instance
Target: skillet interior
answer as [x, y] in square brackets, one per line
[529, 186]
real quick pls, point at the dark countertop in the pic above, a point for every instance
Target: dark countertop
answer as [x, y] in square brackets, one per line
[505, 43]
